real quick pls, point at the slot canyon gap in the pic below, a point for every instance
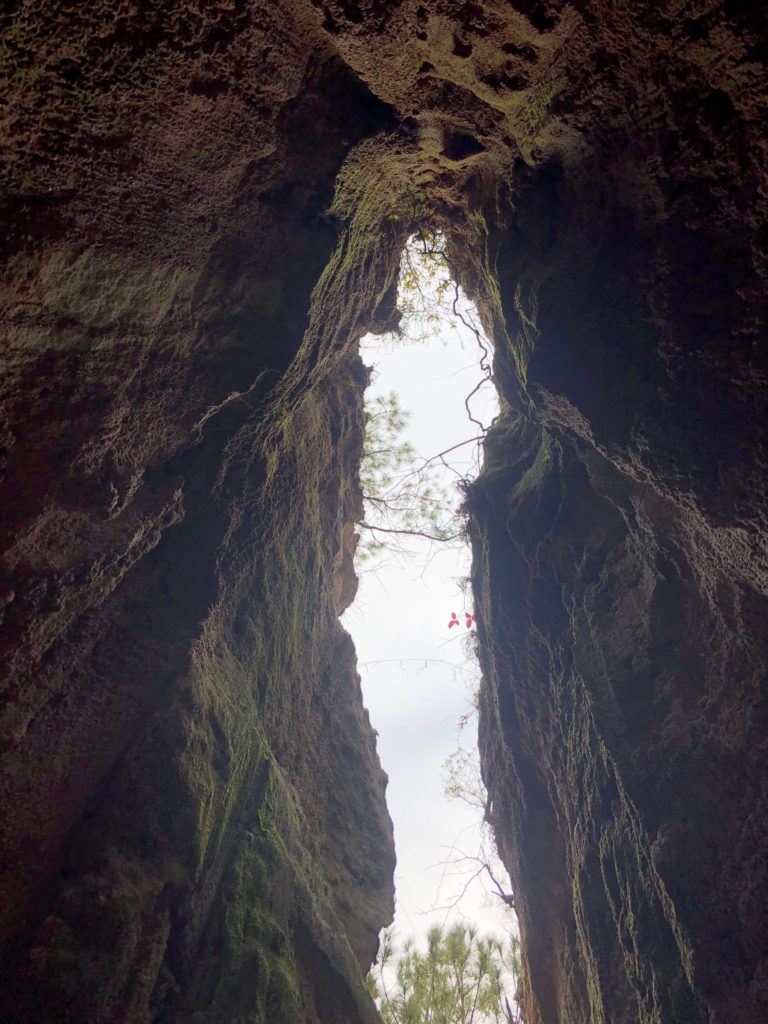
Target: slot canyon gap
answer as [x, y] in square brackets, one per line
[204, 206]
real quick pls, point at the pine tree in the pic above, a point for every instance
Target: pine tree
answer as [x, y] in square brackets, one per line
[461, 978]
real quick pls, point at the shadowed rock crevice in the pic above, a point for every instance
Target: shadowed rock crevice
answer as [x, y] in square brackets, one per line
[204, 209]
[622, 708]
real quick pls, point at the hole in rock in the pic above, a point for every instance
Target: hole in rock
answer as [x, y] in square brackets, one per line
[526, 51]
[514, 82]
[461, 146]
[537, 15]
[461, 49]
[430, 399]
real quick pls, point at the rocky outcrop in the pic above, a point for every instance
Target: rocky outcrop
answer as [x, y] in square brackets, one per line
[620, 577]
[204, 208]
[194, 825]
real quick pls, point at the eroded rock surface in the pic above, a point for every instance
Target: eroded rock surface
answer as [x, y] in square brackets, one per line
[203, 210]
[179, 479]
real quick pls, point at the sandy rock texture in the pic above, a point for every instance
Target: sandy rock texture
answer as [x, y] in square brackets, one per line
[203, 209]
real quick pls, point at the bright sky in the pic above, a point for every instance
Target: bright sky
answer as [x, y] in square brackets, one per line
[417, 677]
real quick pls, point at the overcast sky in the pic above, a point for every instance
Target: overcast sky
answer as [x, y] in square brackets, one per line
[417, 678]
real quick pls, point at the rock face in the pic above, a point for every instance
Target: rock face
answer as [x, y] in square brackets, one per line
[620, 575]
[204, 208]
[194, 825]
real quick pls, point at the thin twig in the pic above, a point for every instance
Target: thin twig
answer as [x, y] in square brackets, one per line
[408, 533]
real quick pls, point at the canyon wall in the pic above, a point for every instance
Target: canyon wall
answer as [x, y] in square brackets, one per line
[194, 825]
[620, 581]
[204, 206]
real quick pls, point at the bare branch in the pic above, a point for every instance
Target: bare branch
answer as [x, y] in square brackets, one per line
[484, 366]
[409, 533]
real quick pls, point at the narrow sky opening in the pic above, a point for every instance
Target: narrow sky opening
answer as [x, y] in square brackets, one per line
[419, 675]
